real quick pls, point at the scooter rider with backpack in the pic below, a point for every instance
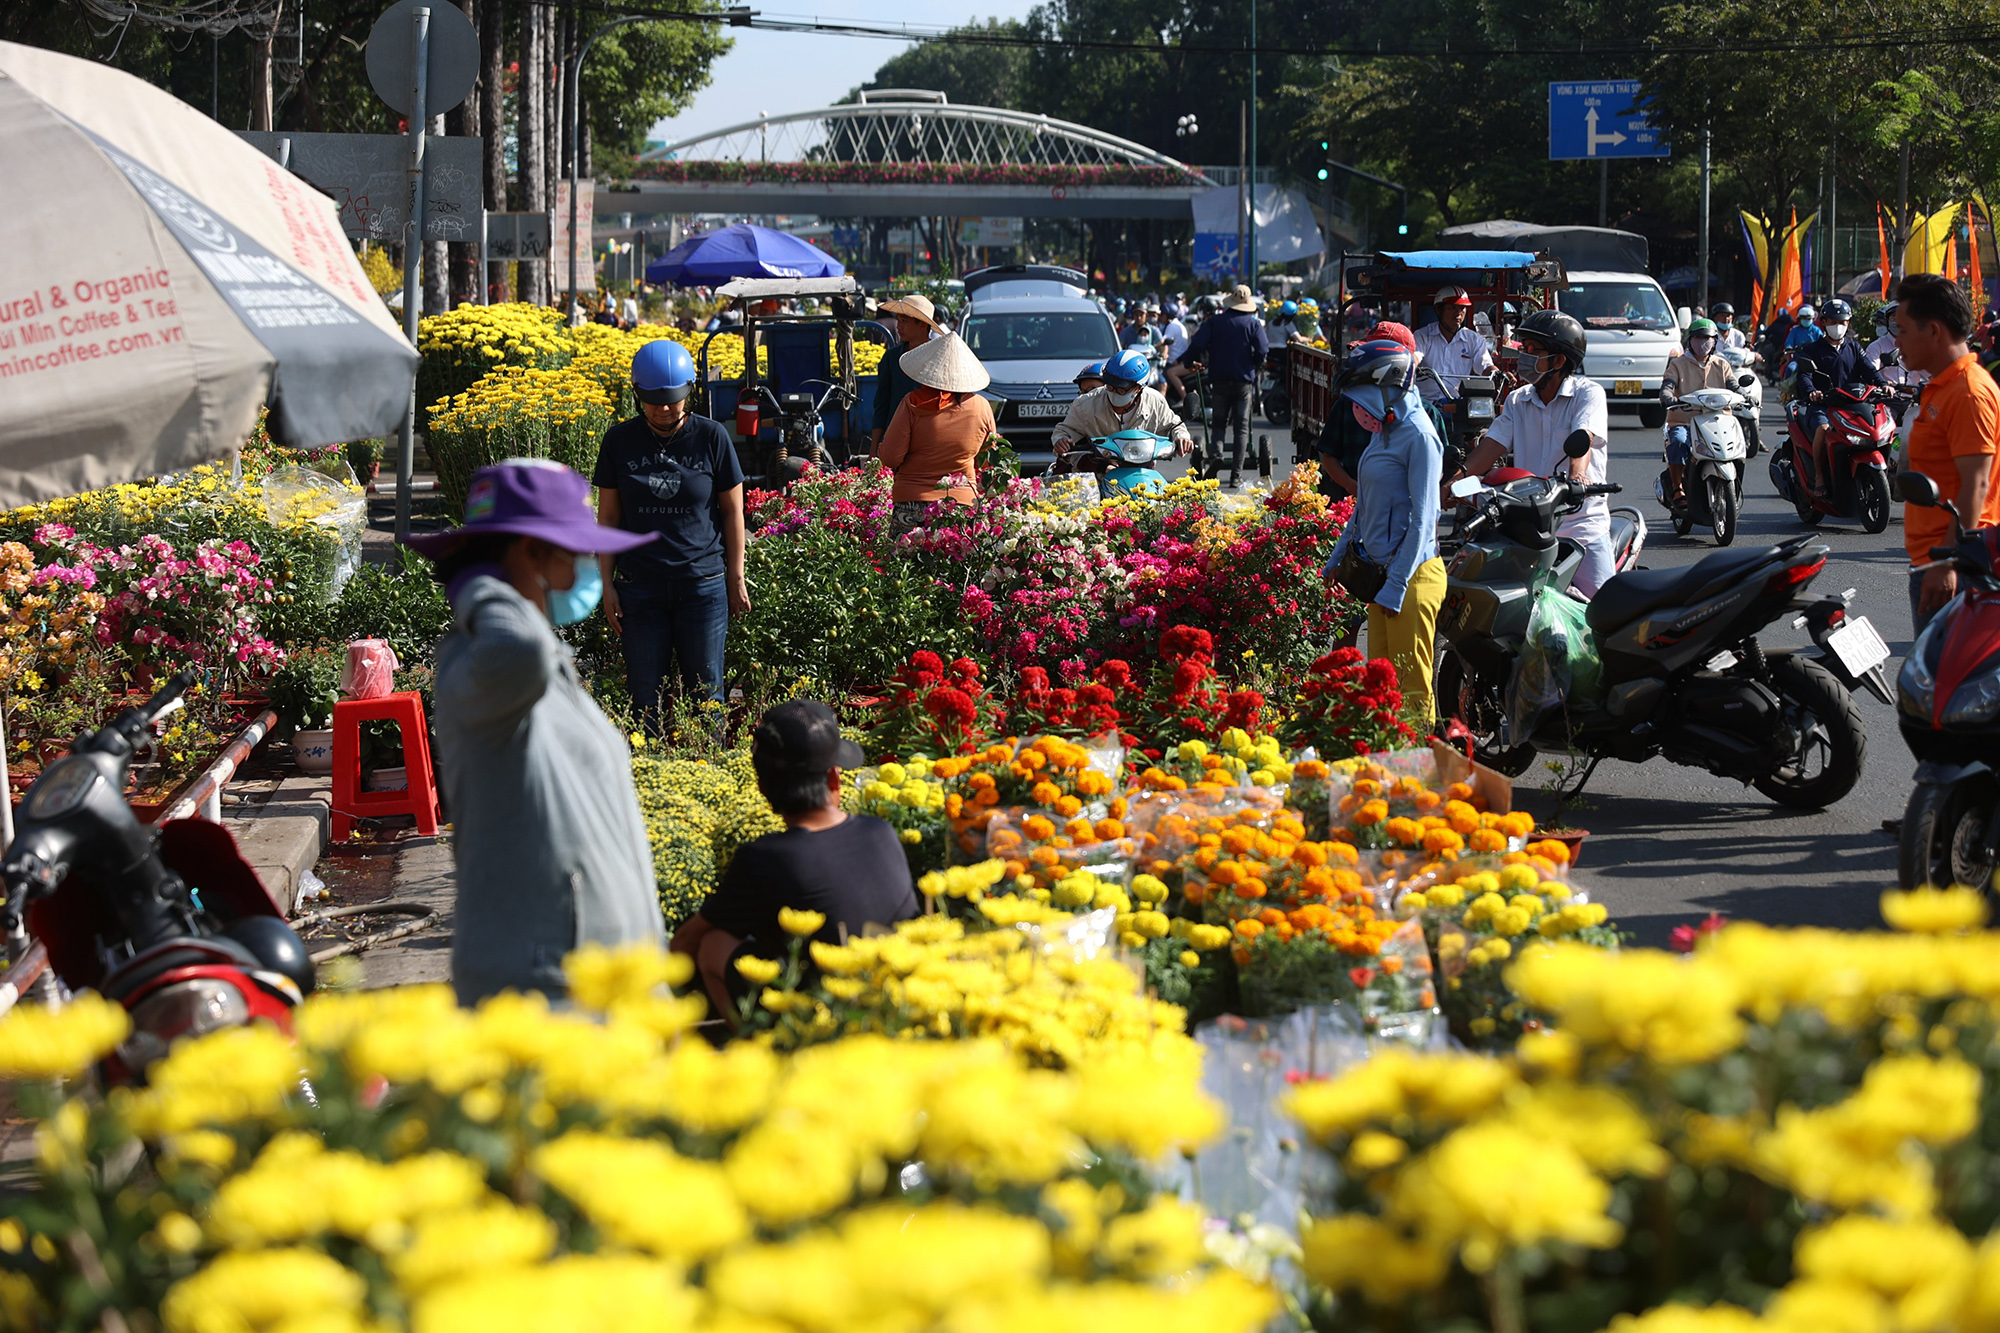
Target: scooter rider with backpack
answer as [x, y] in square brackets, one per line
[1556, 399]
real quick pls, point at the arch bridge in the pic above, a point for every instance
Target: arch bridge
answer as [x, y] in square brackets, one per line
[913, 152]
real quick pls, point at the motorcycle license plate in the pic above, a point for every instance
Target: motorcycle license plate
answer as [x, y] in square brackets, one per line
[1627, 388]
[1857, 645]
[1025, 410]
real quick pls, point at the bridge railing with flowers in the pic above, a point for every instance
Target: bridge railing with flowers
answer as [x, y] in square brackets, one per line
[916, 173]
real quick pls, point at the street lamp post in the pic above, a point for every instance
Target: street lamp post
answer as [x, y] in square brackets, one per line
[576, 136]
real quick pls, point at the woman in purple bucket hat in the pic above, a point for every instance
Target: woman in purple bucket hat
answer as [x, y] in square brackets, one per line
[550, 846]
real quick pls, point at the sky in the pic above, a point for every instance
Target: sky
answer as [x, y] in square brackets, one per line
[777, 72]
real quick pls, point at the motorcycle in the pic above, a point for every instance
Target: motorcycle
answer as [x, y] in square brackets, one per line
[1854, 480]
[1125, 463]
[1466, 416]
[1684, 676]
[1744, 363]
[1948, 709]
[1273, 396]
[1628, 530]
[801, 426]
[172, 923]
[1712, 483]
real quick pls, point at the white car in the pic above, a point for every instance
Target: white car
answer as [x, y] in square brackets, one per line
[1633, 332]
[1033, 328]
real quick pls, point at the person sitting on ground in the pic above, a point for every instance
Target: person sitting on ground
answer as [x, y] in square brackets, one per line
[849, 868]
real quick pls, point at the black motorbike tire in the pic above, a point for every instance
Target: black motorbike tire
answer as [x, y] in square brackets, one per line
[1871, 499]
[1652, 416]
[1804, 683]
[1722, 510]
[1683, 518]
[1934, 821]
[1278, 407]
[1804, 509]
[1480, 707]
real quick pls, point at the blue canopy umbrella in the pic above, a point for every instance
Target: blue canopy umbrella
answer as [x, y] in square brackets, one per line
[742, 251]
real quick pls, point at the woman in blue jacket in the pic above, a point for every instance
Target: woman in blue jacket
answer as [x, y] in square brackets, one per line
[1388, 556]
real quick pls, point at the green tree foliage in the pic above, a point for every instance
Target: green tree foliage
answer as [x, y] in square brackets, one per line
[981, 74]
[639, 75]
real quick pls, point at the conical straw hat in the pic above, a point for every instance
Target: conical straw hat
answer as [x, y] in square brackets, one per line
[945, 362]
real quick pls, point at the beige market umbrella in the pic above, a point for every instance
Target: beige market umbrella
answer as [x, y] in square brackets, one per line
[163, 281]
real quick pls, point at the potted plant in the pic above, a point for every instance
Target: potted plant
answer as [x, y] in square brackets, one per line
[1566, 778]
[365, 458]
[304, 690]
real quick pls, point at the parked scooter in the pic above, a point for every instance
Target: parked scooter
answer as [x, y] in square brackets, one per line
[1948, 706]
[1125, 463]
[1712, 482]
[1853, 481]
[171, 922]
[1628, 529]
[1684, 676]
[1272, 394]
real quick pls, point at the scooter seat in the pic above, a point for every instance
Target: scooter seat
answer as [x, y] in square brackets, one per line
[1632, 594]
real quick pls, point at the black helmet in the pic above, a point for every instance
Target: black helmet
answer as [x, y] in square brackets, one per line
[1833, 310]
[1723, 310]
[1560, 332]
[276, 946]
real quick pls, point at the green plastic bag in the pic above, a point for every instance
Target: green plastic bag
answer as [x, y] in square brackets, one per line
[1559, 666]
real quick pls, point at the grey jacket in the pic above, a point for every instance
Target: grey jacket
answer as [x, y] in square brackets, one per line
[550, 845]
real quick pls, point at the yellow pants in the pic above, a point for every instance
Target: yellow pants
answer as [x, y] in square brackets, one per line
[1409, 639]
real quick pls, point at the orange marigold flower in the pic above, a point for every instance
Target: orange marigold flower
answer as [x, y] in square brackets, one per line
[1108, 829]
[1226, 872]
[999, 754]
[1403, 830]
[1442, 840]
[1250, 928]
[1367, 787]
[1458, 791]
[1557, 852]
[1195, 892]
[1307, 855]
[1251, 888]
[1068, 805]
[1486, 840]
[1118, 808]
[980, 782]
[986, 796]
[1319, 881]
[1342, 849]
[1428, 800]
[1038, 827]
[1240, 954]
[1044, 856]
[1392, 963]
[1270, 916]
[1045, 793]
[1079, 829]
[1371, 812]
[1517, 824]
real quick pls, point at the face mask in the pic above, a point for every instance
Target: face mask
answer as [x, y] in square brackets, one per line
[1530, 363]
[1367, 420]
[1122, 400]
[1835, 332]
[569, 605]
[1701, 347]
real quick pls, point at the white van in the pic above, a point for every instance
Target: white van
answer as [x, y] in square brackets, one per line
[1632, 332]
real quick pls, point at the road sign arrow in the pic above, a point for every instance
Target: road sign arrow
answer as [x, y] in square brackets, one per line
[1591, 138]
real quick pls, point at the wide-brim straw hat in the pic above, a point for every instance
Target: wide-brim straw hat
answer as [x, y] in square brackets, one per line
[916, 306]
[1240, 298]
[945, 362]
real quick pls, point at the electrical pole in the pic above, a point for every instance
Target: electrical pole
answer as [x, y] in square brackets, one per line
[1242, 175]
[1706, 138]
[1902, 213]
[1253, 147]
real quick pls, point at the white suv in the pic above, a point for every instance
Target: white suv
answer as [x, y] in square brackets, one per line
[1033, 328]
[1632, 331]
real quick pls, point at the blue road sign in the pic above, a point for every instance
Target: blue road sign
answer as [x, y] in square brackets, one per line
[1600, 118]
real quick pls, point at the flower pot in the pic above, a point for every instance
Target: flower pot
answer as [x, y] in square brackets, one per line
[313, 750]
[1571, 838]
[387, 779]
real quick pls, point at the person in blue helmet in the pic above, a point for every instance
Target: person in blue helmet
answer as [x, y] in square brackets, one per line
[1123, 403]
[1387, 555]
[1090, 377]
[670, 472]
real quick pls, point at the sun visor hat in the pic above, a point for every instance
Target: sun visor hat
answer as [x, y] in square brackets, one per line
[662, 372]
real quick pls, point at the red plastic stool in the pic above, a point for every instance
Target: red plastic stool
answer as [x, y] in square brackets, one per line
[419, 798]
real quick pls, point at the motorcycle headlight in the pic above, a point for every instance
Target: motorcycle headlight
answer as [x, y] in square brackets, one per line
[1136, 451]
[1707, 448]
[1975, 701]
[1479, 409]
[184, 1009]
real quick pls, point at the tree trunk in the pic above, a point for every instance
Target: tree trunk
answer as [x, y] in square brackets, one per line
[437, 257]
[261, 91]
[463, 121]
[532, 132]
[493, 114]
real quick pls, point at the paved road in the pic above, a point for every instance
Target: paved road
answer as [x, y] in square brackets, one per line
[1669, 845]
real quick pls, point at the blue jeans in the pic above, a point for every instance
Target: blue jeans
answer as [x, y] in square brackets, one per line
[1680, 445]
[673, 622]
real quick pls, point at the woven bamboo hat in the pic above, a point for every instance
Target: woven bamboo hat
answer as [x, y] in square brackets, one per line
[945, 362]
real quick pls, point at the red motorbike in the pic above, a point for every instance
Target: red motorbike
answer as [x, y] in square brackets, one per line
[1852, 480]
[1948, 706]
[172, 922]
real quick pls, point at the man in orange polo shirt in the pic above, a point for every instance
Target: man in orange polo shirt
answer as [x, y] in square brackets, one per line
[1956, 433]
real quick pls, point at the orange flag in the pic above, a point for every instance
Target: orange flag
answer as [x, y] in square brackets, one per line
[1951, 256]
[1882, 237]
[1977, 280]
[1791, 285]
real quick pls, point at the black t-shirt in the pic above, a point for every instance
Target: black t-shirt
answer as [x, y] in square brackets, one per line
[671, 485]
[855, 872]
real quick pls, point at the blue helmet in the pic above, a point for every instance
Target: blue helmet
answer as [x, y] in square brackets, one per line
[1093, 371]
[1130, 366]
[1289, 308]
[662, 372]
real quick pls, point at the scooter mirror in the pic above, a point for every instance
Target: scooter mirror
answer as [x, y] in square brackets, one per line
[1467, 487]
[1745, 381]
[1917, 489]
[1578, 444]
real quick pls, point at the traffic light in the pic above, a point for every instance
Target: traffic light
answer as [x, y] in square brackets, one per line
[1322, 173]
[1402, 229]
